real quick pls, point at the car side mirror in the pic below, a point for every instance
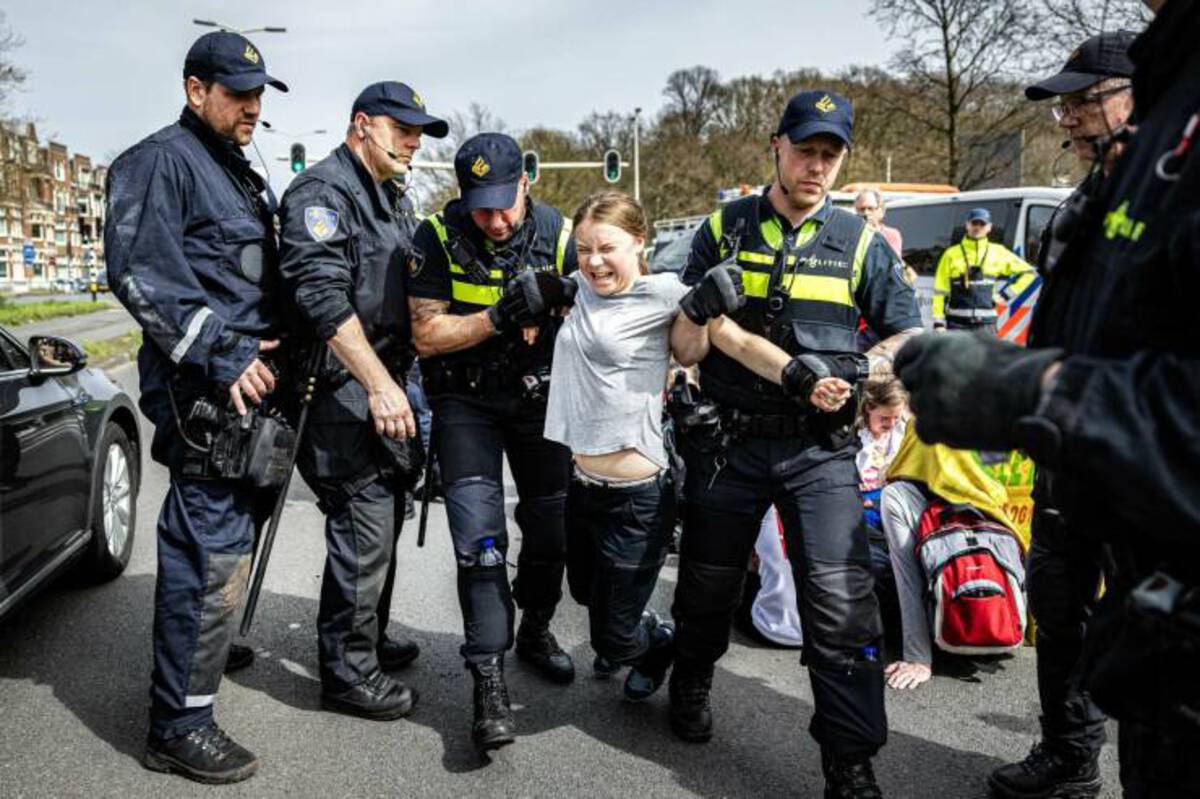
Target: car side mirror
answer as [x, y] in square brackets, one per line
[53, 356]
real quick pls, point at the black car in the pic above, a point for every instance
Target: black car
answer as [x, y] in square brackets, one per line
[70, 458]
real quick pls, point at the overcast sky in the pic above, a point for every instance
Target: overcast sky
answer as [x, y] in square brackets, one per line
[104, 74]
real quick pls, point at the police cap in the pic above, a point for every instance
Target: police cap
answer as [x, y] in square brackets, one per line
[810, 113]
[229, 59]
[489, 169]
[398, 101]
[1105, 55]
[979, 215]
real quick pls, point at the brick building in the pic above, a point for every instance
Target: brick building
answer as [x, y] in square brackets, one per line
[51, 213]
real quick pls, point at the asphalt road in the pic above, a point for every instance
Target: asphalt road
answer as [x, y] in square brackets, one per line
[74, 668]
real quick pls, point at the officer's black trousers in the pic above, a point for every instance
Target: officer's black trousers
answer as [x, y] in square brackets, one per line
[472, 434]
[616, 546]
[206, 533]
[816, 494]
[1063, 574]
[985, 327]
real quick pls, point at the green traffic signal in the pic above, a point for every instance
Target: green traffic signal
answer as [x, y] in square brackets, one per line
[532, 165]
[612, 166]
[298, 158]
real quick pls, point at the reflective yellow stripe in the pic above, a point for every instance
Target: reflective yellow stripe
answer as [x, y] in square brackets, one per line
[561, 251]
[496, 274]
[760, 258]
[822, 289]
[439, 227]
[819, 288]
[756, 283]
[717, 226]
[477, 295]
[860, 257]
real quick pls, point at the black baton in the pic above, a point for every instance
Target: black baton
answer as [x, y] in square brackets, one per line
[259, 568]
[430, 459]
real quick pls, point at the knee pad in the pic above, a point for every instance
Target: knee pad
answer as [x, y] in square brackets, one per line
[542, 526]
[841, 616]
[475, 510]
[487, 609]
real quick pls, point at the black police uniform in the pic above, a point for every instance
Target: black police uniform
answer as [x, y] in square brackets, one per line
[489, 401]
[192, 255]
[805, 289]
[344, 241]
[1122, 415]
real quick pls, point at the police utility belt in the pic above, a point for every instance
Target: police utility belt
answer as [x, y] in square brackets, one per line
[475, 379]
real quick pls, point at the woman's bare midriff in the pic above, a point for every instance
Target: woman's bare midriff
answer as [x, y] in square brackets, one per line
[626, 464]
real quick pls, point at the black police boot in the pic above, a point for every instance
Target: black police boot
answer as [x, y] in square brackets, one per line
[603, 668]
[396, 653]
[378, 697]
[537, 646]
[849, 777]
[1047, 771]
[649, 673]
[205, 754]
[494, 725]
[239, 658]
[691, 714]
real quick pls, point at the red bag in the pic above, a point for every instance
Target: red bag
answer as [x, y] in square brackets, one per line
[976, 580]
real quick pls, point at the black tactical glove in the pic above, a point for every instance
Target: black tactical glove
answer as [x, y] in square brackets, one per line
[529, 298]
[719, 292]
[803, 371]
[971, 390]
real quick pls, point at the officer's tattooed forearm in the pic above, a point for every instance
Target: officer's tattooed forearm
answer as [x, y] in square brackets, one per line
[882, 354]
[436, 331]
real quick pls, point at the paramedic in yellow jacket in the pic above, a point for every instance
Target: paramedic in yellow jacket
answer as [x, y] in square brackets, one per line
[964, 286]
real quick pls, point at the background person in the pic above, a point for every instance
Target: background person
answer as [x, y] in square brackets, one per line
[965, 283]
[870, 205]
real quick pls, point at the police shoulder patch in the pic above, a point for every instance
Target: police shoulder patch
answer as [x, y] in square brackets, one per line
[416, 260]
[321, 223]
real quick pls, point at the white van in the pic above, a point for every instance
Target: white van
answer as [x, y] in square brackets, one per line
[931, 224]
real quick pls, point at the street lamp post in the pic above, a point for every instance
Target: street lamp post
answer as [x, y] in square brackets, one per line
[637, 175]
[208, 23]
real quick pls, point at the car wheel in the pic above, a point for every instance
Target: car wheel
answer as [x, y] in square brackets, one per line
[114, 505]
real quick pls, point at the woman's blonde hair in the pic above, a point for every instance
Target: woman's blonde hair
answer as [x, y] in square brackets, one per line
[621, 211]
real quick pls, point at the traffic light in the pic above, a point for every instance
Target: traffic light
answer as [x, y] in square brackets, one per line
[532, 165]
[612, 166]
[297, 158]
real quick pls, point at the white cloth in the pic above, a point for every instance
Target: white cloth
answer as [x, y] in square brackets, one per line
[876, 455]
[774, 611]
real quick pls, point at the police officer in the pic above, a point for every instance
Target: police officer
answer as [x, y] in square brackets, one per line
[1093, 100]
[964, 285]
[486, 367]
[192, 256]
[346, 231]
[1107, 405]
[809, 270]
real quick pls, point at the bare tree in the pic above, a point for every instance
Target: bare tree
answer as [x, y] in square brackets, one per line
[1064, 24]
[600, 131]
[693, 97]
[959, 64]
[11, 74]
[435, 187]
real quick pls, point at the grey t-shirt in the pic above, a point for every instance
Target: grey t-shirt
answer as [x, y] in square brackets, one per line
[610, 368]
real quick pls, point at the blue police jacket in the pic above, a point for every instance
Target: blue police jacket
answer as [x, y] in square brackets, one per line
[192, 256]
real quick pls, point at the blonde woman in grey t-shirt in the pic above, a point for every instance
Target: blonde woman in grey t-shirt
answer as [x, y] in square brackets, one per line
[606, 402]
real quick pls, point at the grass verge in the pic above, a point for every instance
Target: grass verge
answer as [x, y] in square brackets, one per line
[112, 350]
[12, 314]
